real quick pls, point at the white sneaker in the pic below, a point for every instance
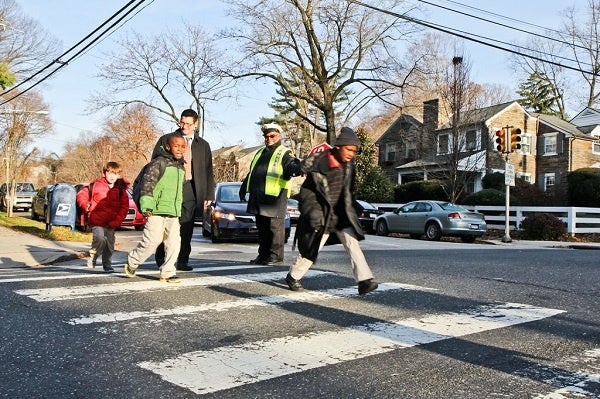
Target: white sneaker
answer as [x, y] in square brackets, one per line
[91, 261]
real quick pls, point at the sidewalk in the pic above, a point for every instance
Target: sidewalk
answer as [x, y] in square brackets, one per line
[22, 249]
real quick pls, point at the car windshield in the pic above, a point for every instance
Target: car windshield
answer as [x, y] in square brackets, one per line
[25, 187]
[229, 194]
[447, 206]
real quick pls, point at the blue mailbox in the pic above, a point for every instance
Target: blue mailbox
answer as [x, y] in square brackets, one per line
[61, 206]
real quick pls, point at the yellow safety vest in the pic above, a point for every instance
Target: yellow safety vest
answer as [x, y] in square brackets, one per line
[275, 181]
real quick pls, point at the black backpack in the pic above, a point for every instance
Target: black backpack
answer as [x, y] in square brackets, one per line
[136, 187]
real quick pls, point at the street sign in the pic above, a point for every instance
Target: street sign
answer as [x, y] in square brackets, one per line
[320, 148]
[509, 174]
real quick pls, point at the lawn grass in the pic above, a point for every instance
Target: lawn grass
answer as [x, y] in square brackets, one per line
[58, 233]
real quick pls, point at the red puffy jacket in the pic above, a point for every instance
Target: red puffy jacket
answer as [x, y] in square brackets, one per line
[107, 206]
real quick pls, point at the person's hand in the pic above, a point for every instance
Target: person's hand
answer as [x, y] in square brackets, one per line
[147, 214]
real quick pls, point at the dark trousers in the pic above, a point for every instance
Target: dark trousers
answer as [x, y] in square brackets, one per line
[186, 229]
[271, 235]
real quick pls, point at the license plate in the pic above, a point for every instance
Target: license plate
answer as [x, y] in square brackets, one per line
[474, 226]
[373, 215]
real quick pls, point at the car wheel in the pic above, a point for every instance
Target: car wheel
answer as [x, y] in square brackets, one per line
[468, 239]
[382, 228]
[433, 231]
[415, 236]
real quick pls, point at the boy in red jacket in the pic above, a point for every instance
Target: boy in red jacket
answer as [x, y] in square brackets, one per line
[107, 203]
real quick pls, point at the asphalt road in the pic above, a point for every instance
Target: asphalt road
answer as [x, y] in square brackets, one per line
[450, 320]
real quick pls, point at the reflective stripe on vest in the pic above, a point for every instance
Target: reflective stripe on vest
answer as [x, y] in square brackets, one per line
[274, 180]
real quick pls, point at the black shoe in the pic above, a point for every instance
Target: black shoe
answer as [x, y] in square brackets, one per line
[271, 261]
[366, 286]
[184, 267]
[294, 284]
[109, 269]
[257, 261]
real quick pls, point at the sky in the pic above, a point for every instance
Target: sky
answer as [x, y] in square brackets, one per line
[71, 20]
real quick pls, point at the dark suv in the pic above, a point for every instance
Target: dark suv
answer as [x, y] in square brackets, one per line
[24, 193]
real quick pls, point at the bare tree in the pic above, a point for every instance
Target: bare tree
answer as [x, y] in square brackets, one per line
[24, 45]
[165, 73]
[128, 138]
[318, 51]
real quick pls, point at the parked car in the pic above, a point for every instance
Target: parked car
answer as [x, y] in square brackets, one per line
[133, 219]
[24, 193]
[39, 203]
[434, 219]
[226, 217]
[292, 209]
[367, 213]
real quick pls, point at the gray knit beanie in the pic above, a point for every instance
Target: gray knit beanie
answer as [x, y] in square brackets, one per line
[347, 136]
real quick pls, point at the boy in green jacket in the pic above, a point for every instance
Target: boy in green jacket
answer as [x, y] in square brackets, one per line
[161, 196]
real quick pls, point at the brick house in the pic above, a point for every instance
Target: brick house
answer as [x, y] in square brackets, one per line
[551, 147]
[563, 147]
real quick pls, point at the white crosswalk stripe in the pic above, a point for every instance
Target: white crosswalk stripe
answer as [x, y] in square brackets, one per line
[227, 367]
[305, 296]
[130, 286]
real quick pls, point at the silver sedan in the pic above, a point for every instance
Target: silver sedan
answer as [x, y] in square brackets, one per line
[433, 219]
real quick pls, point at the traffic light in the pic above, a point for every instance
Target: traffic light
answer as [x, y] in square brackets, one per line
[515, 139]
[501, 140]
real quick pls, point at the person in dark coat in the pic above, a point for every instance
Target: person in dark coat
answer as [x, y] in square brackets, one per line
[199, 185]
[106, 203]
[268, 183]
[327, 211]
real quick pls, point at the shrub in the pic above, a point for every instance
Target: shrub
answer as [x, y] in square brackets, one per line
[487, 196]
[542, 226]
[493, 180]
[375, 186]
[584, 187]
[419, 190]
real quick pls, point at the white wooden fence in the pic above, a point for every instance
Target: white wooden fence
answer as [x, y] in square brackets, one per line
[578, 220]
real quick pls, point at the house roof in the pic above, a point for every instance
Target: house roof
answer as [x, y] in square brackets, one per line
[395, 127]
[564, 126]
[480, 115]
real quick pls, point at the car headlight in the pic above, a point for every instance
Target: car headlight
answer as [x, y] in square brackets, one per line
[224, 215]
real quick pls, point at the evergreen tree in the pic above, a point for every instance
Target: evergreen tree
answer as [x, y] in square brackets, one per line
[540, 94]
[372, 184]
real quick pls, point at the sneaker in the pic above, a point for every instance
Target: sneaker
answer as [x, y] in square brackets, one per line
[109, 269]
[366, 286]
[294, 284]
[129, 272]
[172, 279]
[91, 261]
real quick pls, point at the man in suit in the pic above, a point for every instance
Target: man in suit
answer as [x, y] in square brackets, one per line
[198, 187]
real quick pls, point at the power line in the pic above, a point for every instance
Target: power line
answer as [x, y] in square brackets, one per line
[450, 31]
[503, 25]
[61, 63]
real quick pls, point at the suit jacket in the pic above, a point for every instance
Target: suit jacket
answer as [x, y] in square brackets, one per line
[202, 167]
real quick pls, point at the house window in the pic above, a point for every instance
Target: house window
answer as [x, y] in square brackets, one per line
[549, 181]
[443, 142]
[390, 152]
[411, 152]
[525, 176]
[471, 140]
[526, 143]
[550, 141]
[596, 147]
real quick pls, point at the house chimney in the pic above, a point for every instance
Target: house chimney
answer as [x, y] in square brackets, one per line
[430, 115]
